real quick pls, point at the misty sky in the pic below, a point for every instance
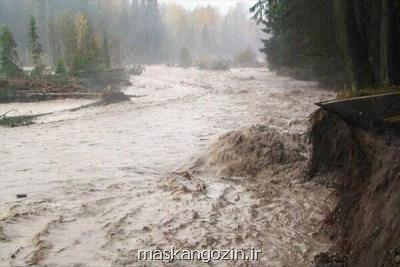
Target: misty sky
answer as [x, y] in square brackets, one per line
[223, 5]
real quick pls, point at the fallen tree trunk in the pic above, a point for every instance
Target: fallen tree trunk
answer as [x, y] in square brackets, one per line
[107, 98]
[33, 97]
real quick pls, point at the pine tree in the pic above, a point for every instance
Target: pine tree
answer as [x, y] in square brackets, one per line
[60, 67]
[205, 36]
[8, 53]
[304, 35]
[35, 47]
[152, 31]
[106, 53]
[54, 40]
[69, 42]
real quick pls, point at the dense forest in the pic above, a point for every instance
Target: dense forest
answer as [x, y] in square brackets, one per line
[354, 43]
[129, 32]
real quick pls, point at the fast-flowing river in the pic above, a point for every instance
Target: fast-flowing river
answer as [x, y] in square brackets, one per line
[95, 178]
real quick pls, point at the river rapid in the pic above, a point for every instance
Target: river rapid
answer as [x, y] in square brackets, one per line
[103, 182]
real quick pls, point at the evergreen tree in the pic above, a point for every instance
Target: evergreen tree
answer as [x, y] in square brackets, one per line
[303, 37]
[152, 31]
[344, 41]
[106, 52]
[205, 36]
[35, 47]
[8, 53]
[60, 67]
[54, 41]
[69, 42]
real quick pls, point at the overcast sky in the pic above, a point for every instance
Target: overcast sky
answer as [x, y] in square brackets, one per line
[223, 5]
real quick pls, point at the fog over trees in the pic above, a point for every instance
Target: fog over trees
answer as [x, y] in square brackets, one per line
[126, 31]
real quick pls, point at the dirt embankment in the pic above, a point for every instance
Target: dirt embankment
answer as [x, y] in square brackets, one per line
[365, 169]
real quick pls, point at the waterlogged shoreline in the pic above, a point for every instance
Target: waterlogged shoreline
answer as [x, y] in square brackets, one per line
[106, 181]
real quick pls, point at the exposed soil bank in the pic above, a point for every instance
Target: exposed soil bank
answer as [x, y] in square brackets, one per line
[365, 168]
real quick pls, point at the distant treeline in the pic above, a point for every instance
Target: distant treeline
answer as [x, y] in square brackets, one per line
[130, 31]
[351, 42]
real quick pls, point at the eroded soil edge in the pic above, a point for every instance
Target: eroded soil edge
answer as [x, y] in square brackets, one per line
[365, 169]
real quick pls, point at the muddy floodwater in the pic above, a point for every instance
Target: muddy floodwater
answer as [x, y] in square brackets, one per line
[101, 182]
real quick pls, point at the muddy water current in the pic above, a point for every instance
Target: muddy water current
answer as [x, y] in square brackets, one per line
[102, 183]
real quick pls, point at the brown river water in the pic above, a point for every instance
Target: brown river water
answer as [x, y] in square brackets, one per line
[99, 180]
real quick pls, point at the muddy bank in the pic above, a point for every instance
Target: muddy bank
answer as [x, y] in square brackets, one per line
[364, 167]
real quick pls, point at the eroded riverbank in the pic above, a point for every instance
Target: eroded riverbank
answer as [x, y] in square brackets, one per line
[100, 181]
